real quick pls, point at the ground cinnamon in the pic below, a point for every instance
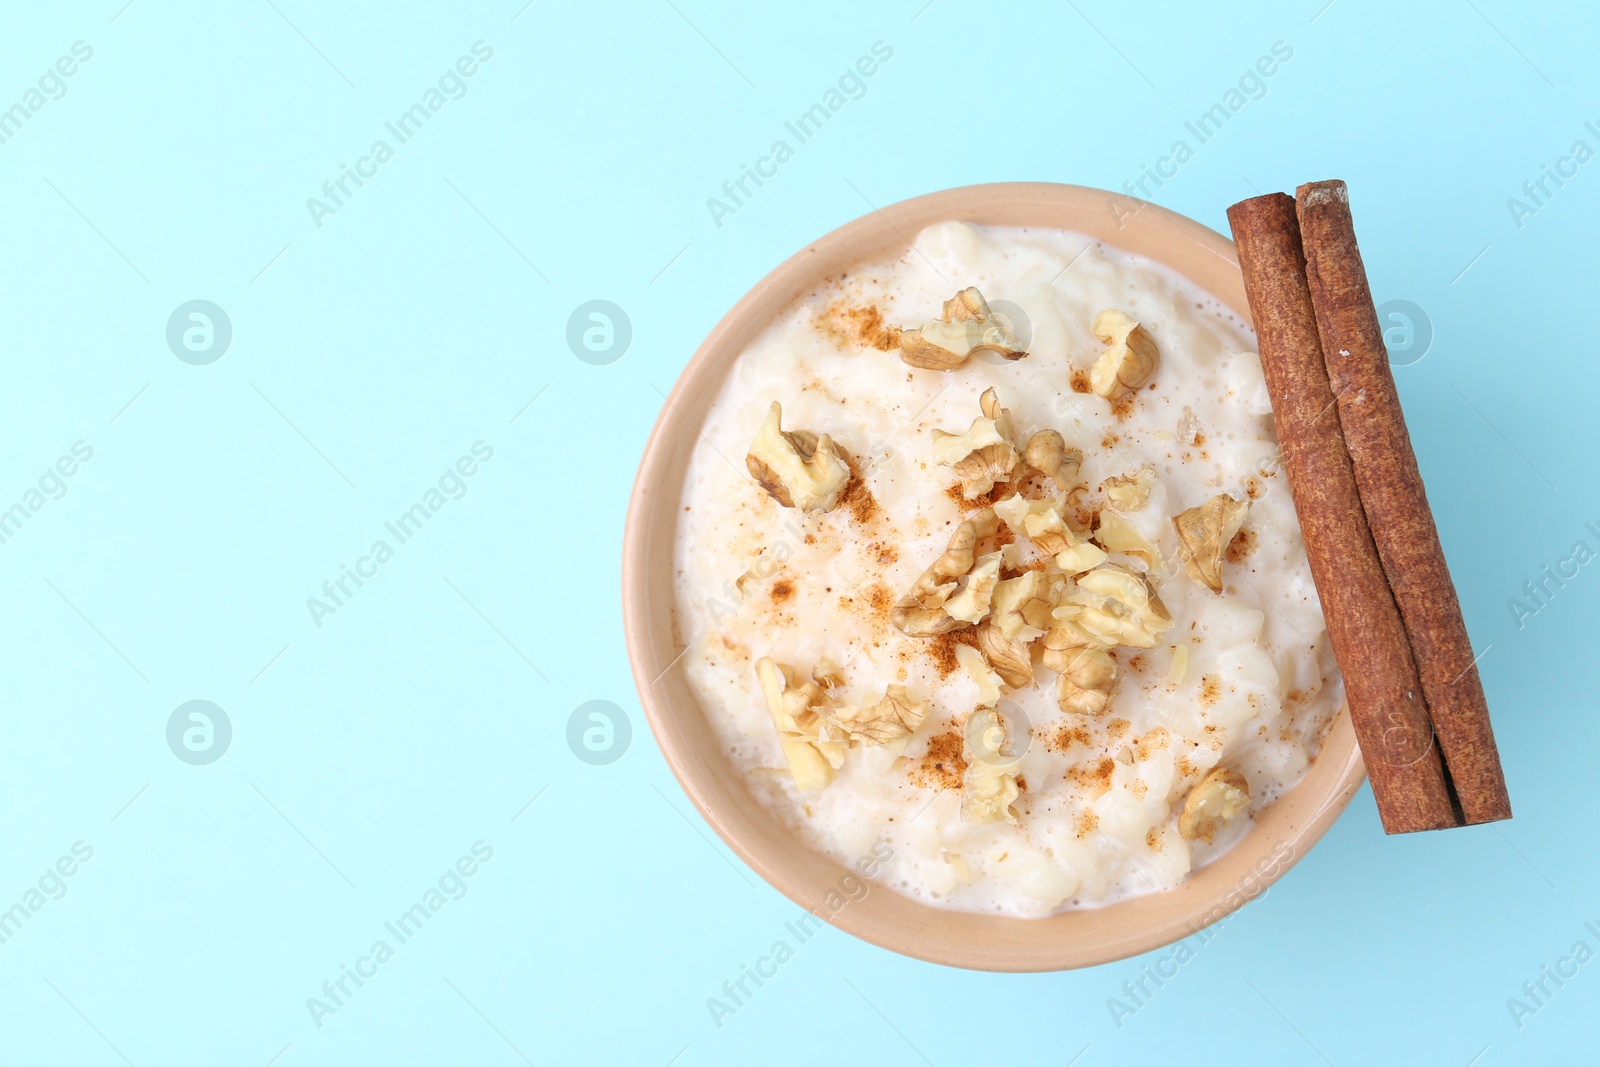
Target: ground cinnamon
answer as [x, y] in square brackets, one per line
[1382, 686]
[1395, 503]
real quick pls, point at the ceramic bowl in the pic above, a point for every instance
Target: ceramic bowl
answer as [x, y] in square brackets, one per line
[1282, 833]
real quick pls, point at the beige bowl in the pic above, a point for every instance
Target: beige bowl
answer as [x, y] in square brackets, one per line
[1282, 833]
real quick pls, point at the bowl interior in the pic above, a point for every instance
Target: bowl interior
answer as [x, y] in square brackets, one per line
[1282, 833]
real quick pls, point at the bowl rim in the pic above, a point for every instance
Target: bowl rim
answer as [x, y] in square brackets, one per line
[1282, 832]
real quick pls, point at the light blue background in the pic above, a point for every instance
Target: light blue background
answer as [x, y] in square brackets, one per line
[370, 353]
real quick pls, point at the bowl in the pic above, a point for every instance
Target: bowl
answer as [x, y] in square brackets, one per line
[1282, 833]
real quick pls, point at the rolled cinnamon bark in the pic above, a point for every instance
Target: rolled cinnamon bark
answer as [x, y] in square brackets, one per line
[1364, 626]
[1395, 503]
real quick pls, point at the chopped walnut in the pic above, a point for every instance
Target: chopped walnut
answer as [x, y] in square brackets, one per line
[966, 327]
[892, 719]
[951, 448]
[966, 306]
[1042, 522]
[1117, 607]
[1129, 361]
[1131, 491]
[984, 454]
[921, 612]
[970, 603]
[798, 469]
[1203, 536]
[936, 346]
[977, 668]
[1083, 556]
[1039, 521]
[1115, 532]
[1047, 453]
[1087, 672]
[788, 701]
[1180, 665]
[989, 784]
[812, 758]
[1010, 659]
[828, 675]
[1114, 529]
[1022, 605]
[1220, 796]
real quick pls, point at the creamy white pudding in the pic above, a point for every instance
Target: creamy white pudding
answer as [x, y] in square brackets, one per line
[1040, 626]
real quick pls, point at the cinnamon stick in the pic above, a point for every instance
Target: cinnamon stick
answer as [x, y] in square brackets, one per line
[1395, 503]
[1382, 686]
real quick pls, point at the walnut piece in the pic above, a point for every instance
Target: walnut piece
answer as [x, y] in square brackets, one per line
[1047, 453]
[828, 675]
[1220, 796]
[1203, 536]
[815, 729]
[1180, 665]
[978, 669]
[1129, 361]
[890, 720]
[921, 612]
[970, 603]
[798, 469]
[1010, 659]
[966, 327]
[1087, 672]
[989, 784]
[966, 306]
[1114, 529]
[1131, 491]
[1042, 522]
[936, 346]
[1116, 607]
[951, 448]
[984, 454]
[1039, 521]
[1083, 556]
[812, 757]
[1022, 605]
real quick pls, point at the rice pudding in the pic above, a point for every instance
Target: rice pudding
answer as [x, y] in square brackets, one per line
[987, 575]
